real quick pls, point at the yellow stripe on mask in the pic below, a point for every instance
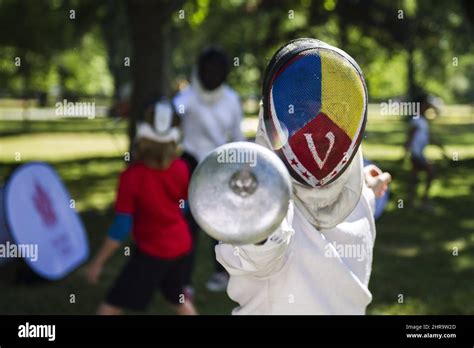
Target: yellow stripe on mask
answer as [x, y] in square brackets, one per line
[342, 92]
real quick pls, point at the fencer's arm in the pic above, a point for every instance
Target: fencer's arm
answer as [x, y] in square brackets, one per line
[259, 260]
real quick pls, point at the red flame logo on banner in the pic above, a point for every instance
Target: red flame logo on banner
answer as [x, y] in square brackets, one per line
[44, 205]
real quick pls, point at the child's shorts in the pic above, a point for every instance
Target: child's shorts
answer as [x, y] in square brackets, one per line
[142, 275]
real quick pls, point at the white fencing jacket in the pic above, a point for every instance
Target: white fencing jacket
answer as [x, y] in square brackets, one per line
[210, 119]
[300, 270]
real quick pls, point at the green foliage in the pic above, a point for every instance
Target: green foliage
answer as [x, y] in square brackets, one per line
[369, 31]
[250, 31]
[86, 67]
[383, 75]
[37, 33]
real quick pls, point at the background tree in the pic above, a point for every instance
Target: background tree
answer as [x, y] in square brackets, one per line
[149, 28]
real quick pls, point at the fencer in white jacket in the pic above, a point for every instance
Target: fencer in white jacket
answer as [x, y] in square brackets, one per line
[318, 261]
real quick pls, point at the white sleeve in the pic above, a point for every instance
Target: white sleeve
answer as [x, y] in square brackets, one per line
[238, 116]
[370, 196]
[259, 260]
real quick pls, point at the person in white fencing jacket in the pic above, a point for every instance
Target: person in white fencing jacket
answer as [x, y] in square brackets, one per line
[210, 114]
[319, 260]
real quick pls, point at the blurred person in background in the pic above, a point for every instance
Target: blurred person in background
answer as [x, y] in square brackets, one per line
[418, 138]
[149, 200]
[211, 114]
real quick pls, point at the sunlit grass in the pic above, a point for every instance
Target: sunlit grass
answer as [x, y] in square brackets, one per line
[61, 146]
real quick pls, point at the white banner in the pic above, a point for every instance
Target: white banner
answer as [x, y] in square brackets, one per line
[47, 231]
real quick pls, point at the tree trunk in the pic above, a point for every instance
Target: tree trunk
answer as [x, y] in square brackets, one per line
[148, 24]
[343, 34]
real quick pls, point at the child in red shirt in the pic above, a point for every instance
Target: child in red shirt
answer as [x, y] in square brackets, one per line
[150, 195]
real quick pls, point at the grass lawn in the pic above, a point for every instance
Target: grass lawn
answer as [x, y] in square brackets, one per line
[413, 255]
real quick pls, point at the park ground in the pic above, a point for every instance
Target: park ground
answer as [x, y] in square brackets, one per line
[426, 258]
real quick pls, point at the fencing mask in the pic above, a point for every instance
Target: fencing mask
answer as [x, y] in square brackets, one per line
[313, 116]
[210, 74]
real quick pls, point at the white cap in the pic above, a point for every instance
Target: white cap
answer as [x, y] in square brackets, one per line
[162, 131]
